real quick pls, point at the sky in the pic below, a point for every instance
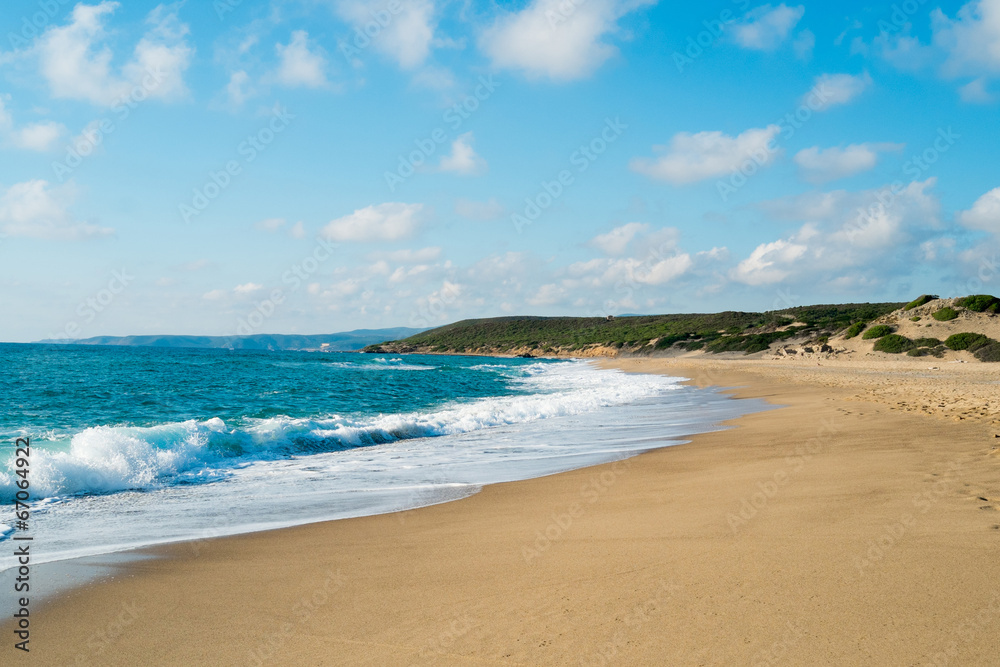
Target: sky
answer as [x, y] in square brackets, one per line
[232, 167]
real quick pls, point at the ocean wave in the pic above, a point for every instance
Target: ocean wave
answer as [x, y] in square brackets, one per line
[107, 459]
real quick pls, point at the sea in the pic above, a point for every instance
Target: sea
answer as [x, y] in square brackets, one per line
[132, 447]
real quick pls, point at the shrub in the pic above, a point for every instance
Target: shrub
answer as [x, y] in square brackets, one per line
[980, 303]
[919, 301]
[878, 331]
[918, 352]
[894, 344]
[967, 341]
[854, 329]
[915, 318]
[926, 342]
[989, 352]
[945, 314]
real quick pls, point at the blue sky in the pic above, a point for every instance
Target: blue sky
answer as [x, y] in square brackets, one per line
[322, 165]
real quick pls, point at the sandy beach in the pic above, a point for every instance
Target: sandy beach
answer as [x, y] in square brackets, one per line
[857, 524]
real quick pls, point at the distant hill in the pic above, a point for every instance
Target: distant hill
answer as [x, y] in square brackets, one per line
[953, 329]
[336, 342]
[642, 334]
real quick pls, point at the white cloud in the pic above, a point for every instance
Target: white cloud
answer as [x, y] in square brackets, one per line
[463, 158]
[479, 210]
[298, 64]
[270, 224]
[35, 209]
[247, 288]
[297, 231]
[238, 90]
[77, 65]
[412, 256]
[984, 214]
[556, 39]
[40, 136]
[696, 157]
[804, 44]
[971, 40]
[820, 165]
[762, 267]
[845, 237]
[765, 28]
[975, 92]
[408, 34]
[617, 240]
[830, 90]
[381, 222]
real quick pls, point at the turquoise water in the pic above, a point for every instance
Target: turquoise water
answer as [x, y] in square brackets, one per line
[139, 446]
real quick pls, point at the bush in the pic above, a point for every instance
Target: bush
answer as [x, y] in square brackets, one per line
[926, 342]
[989, 352]
[854, 329]
[894, 344]
[980, 303]
[967, 341]
[945, 314]
[919, 301]
[918, 352]
[878, 331]
[915, 318]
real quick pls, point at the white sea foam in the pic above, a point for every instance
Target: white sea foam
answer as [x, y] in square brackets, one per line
[106, 459]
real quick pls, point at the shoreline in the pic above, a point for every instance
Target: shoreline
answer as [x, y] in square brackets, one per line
[457, 583]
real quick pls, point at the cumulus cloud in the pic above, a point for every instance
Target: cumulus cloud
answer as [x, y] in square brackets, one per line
[830, 90]
[35, 209]
[479, 210]
[556, 39]
[299, 63]
[984, 214]
[408, 35]
[40, 136]
[971, 41]
[463, 158]
[976, 92]
[765, 28]
[695, 157]
[845, 236]
[381, 222]
[617, 240]
[77, 64]
[820, 165]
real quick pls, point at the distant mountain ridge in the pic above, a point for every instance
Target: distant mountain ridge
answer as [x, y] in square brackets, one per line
[346, 341]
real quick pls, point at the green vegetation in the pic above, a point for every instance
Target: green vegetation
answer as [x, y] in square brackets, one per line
[878, 331]
[717, 332]
[967, 341]
[855, 329]
[989, 353]
[944, 314]
[926, 342]
[915, 318]
[894, 344]
[980, 303]
[920, 300]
